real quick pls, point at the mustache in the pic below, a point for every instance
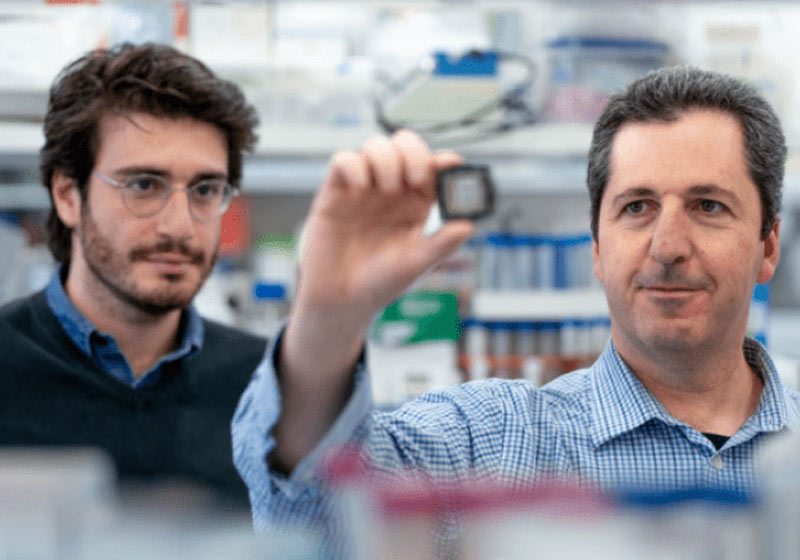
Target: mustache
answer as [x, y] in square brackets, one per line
[174, 246]
[669, 277]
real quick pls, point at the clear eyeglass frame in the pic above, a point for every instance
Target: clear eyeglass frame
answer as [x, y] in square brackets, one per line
[149, 202]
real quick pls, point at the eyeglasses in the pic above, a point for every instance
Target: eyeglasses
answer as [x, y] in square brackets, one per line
[146, 195]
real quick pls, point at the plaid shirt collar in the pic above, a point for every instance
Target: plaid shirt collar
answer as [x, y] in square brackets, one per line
[621, 403]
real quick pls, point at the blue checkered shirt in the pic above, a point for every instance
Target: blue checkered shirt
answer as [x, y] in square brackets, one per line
[598, 424]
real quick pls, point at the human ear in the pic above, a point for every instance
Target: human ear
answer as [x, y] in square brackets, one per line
[598, 271]
[66, 198]
[772, 251]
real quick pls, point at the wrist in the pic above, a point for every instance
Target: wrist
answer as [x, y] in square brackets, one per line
[323, 341]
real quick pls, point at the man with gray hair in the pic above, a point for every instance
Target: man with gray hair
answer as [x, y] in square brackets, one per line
[685, 172]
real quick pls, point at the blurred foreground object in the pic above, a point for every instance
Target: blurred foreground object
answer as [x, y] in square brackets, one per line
[780, 486]
[49, 500]
[408, 516]
[65, 504]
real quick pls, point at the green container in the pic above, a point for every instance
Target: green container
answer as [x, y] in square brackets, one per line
[420, 316]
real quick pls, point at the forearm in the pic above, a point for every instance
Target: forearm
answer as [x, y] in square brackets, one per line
[364, 245]
[319, 351]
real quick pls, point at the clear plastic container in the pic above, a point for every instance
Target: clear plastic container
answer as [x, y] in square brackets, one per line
[544, 264]
[524, 250]
[498, 262]
[573, 266]
[475, 362]
[758, 318]
[585, 71]
[270, 309]
[275, 261]
[502, 349]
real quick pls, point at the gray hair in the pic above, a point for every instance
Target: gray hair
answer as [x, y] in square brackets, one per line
[666, 94]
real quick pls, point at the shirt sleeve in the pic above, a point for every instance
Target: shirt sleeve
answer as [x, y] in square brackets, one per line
[297, 499]
[483, 428]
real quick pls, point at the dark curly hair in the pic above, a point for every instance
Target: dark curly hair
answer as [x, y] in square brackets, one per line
[664, 95]
[149, 78]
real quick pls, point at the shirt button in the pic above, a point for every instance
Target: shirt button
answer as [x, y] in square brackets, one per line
[716, 462]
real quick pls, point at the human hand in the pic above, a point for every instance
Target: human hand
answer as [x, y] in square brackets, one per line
[364, 241]
[363, 245]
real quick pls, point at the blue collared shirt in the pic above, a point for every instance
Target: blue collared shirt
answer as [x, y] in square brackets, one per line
[599, 424]
[104, 350]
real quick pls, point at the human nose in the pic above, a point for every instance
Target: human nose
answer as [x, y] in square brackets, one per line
[175, 219]
[671, 242]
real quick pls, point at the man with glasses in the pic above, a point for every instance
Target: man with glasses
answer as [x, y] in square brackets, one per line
[143, 152]
[146, 195]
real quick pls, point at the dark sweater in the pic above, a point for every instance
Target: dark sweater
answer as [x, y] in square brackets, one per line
[52, 394]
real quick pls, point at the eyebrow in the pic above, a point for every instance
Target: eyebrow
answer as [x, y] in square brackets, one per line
[713, 190]
[694, 191]
[140, 169]
[634, 192]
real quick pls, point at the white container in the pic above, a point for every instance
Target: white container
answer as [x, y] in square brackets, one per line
[476, 348]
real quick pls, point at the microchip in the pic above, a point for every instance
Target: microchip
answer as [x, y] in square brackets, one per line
[465, 192]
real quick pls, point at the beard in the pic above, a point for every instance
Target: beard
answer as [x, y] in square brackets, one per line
[114, 268]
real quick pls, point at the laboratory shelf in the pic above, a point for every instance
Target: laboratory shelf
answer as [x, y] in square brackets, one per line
[292, 159]
[28, 196]
[298, 139]
[20, 138]
[511, 174]
[543, 140]
[544, 159]
[538, 305]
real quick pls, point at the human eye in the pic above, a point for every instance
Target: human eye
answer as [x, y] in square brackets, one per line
[635, 207]
[145, 185]
[711, 207]
[208, 191]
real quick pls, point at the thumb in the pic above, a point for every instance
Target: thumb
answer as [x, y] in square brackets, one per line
[444, 159]
[445, 241]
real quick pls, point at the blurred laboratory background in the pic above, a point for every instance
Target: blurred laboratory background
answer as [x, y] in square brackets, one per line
[514, 85]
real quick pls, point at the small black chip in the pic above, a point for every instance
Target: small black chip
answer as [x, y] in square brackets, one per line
[465, 192]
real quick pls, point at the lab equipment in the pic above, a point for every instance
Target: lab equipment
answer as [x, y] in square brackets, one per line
[586, 70]
[519, 261]
[450, 100]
